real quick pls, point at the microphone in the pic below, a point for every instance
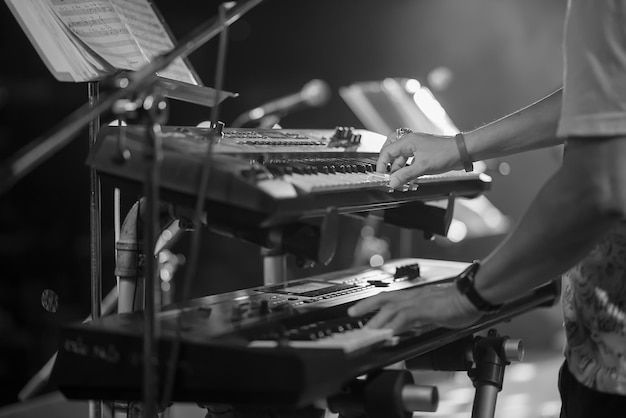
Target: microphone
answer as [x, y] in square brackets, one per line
[315, 93]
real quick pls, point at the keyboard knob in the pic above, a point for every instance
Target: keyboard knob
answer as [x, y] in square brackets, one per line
[264, 307]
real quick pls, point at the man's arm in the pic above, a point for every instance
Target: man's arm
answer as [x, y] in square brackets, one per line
[530, 128]
[572, 211]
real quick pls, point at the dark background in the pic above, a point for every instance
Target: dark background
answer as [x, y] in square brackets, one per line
[503, 54]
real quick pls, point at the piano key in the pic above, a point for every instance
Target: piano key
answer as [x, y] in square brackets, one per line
[348, 341]
[339, 181]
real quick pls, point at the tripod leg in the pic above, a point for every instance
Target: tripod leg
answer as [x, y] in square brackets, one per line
[485, 401]
[491, 355]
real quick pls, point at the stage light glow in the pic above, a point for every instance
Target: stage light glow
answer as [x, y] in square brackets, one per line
[504, 168]
[522, 372]
[167, 235]
[433, 110]
[165, 274]
[494, 218]
[256, 113]
[457, 231]
[412, 86]
[376, 260]
[367, 231]
[440, 78]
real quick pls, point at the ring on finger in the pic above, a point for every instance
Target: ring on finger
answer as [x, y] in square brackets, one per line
[400, 132]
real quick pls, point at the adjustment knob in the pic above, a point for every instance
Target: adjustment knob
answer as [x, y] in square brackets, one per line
[342, 132]
[238, 312]
[409, 271]
[344, 136]
[513, 349]
[264, 308]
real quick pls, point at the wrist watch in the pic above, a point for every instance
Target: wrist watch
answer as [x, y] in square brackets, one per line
[465, 284]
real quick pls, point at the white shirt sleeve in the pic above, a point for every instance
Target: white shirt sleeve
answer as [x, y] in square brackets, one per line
[594, 95]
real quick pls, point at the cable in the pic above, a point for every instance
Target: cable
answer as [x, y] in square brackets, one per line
[137, 254]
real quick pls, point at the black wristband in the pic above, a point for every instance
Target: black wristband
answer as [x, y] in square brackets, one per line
[465, 157]
[465, 284]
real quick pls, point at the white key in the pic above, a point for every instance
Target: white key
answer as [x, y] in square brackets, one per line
[347, 341]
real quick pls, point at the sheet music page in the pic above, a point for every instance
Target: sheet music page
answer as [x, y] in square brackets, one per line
[98, 25]
[65, 59]
[151, 36]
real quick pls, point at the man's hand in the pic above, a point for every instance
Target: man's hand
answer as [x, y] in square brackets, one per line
[432, 155]
[401, 310]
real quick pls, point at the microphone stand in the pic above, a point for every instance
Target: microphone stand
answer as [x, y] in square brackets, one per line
[96, 408]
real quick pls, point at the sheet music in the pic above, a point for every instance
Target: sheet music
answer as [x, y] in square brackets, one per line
[86, 40]
[98, 25]
[66, 61]
[126, 33]
[151, 36]
[86, 65]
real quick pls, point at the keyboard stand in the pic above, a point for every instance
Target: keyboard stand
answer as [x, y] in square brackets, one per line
[274, 266]
[484, 359]
[391, 393]
[310, 242]
[491, 355]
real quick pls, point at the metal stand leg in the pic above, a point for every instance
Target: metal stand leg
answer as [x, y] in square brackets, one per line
[491, 355]
[274, 266]
[95, 406]
[484, 359]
